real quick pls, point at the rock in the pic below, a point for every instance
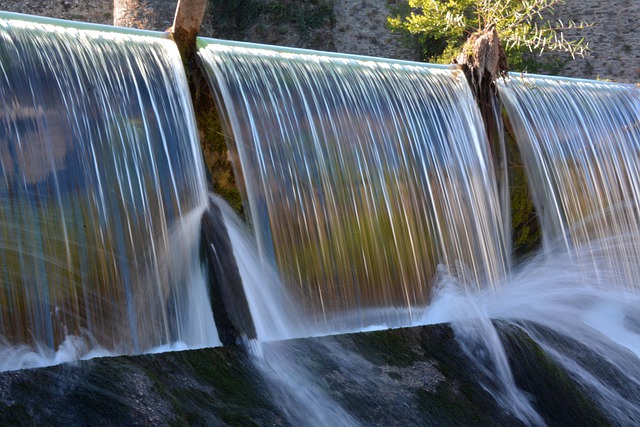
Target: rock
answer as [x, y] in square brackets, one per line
[400, 377]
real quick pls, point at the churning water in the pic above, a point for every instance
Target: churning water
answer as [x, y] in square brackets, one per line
[576, 295]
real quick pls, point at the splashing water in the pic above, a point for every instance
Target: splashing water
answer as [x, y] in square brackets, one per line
[276, 317]
[273, 310]
[23, 356]
[575, 295]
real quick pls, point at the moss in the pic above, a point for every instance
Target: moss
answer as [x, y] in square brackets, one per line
[226, 382]
[449, 407]
[453, 396]
[222, 387]
[394, 375]
[537, 374]
[215, 153]
[525, 228]
[15, 414]
[91, 391]
[389, 347]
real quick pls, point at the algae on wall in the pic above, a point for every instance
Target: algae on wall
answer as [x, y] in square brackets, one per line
[526, 235]
[283, 22]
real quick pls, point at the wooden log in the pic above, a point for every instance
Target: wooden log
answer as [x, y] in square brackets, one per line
[186, 25]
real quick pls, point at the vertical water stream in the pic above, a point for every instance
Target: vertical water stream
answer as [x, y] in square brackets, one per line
[361, 175]
[101, 178]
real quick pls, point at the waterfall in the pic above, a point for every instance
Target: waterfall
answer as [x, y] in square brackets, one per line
[580, 142]
[101, 190]
[373, 201]
[361, 175]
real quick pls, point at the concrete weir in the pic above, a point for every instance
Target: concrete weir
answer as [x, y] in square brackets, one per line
[410, 376]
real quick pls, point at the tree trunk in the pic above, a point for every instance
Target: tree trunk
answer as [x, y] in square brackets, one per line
[182, 21]
[186, 25]
[483, 61]
[156, 15]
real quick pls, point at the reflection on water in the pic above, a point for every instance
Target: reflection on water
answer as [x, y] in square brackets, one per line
[361, 176]
[580, 142]
[100, 173]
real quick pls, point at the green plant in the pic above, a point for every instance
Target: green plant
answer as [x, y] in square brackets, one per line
[441, 27]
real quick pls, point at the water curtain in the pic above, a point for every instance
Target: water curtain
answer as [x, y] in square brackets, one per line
[101, 188]
[580, 141]
[362, 176]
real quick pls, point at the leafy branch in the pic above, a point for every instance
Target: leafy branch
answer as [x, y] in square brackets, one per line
[443, 26]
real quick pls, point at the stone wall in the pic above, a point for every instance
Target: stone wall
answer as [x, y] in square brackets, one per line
[614, 39]
[358, 27]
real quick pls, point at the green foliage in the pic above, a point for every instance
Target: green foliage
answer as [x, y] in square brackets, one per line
[441, 27]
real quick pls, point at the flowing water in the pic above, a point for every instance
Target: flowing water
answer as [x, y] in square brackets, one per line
[580, 142]
[339, 192]
[361, 175]
[372, 195]
[294, 389]
[274, 312]
[101, 191]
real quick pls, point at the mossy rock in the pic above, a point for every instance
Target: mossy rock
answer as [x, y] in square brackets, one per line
[400, 377]
[556, 396]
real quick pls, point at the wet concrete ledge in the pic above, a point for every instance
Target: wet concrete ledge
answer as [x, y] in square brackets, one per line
[402, 377]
